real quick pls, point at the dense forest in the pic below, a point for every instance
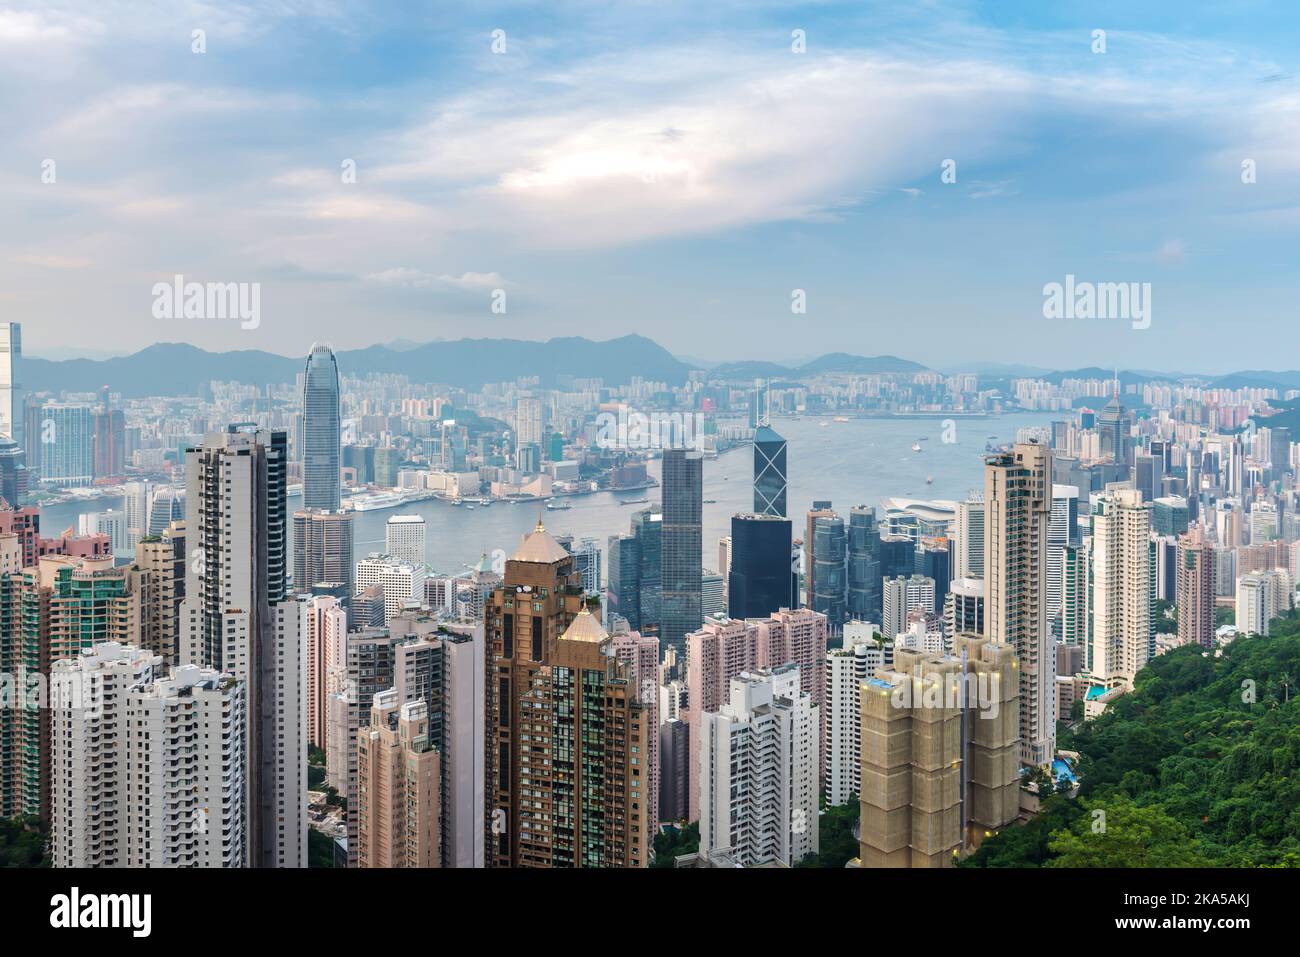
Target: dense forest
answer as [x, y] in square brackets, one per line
[1197, 767]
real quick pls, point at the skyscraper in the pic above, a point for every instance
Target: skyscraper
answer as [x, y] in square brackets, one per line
[399, 798]
[404, 538]
[762, 581]
[238, 620]
[826, 572]
[1196, 566]
[770, 481]
[760, 800]
[864, 574]
[322, 549]
[683, 545]
[1062, 530]
[1017, 504]
[565, 720]
[1123, 588]
[11, 390]
[67, 444]
[322, 450]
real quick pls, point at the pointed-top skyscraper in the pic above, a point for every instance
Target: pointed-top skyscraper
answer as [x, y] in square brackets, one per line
[322, 451]
[769, 472]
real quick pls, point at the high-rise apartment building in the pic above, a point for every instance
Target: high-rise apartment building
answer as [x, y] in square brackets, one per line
[147, 770]
[322, 453]
[161, 560]
[327, 666]
[238, 619]
[758, 771]
[940, 754]
[1196, 566]
[1123, 587]
[963, 607]
[567, 758]
[400, 581]
[968, 538]
[398, 774]
[1017, 510]
[67, 444]
[902, 596]
[322, 550]
[846, 669]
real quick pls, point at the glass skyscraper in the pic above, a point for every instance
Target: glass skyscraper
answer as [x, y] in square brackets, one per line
[322, 454]
[769, 472]
[864, 601]
[683, 546]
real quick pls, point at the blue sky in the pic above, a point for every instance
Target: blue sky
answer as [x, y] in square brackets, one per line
[671, 169]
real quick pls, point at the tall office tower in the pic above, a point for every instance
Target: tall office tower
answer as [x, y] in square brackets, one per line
[1196, 564]
[322, 550]
[683, 545]
[940, 754]
[15, 480]
[559, 701]
[109, 438]
[11, 390]
[60, 606]
[131, 788]
[640, 655]
[528, 422]
[1263, 523]
[846, 669]
[963, 607]
[770, 484]
[724, 557]
[758, 777]
[762, 581]
[903, 596]
[166, 505]
[1279, 452]
[67, 444]
[713, 595]
[327, 666]
[161, 561]
[934, 561]
[404, 539]
[623, 589]
[135, 502]
[1113, 426]
[322, 452]
[1149, 475]
[1170, 515]
[1017, 503]
[1123, 588]
[237, 619]
[402, 583]
[387, 462]
[648, 530]
[968, 538]
[398, 798]
[827, 582]
[864, 598]
[1062, 531]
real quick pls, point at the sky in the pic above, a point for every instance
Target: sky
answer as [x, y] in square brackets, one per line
[676, 170]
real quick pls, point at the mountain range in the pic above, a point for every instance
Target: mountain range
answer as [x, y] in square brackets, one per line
[171, 368]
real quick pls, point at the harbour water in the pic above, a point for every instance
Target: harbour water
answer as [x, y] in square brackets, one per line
[857, 462]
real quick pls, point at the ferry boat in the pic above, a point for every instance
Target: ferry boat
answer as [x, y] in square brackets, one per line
[916, 446]
[560, 506]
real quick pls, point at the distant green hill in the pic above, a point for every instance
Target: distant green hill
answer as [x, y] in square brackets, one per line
[1199, 766]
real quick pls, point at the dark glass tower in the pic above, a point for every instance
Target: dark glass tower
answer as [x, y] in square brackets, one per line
[827, 591]
[321, 453]
[623, 592]
[864, 600]
[647, 530]
[769, 472]
[683, 546]
[761, 581]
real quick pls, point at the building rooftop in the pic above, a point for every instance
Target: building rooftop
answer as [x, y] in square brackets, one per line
[539, 547]
[585, 627]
